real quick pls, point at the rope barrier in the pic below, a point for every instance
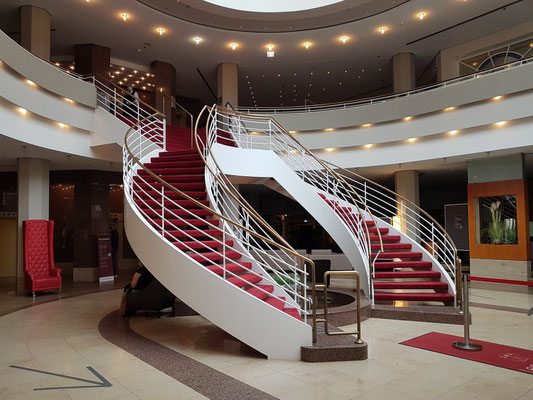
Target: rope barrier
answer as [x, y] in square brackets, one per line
[494, 280]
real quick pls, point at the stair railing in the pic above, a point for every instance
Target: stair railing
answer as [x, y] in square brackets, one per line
[176, 223]
[407, 217]
[176, 104]
[261, 132]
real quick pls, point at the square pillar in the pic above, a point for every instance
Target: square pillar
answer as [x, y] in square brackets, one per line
[92, 59]
[165, 85]
[403, 70]
[228, 84]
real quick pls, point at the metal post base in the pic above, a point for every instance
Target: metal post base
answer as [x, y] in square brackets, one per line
[467, 346]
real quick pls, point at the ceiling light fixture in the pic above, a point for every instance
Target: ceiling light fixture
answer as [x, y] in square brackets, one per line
[449, 109]
[369, 145]
[23, 111]
[408, 118]
[31, 83]
[344, 39]
[329, 130]
[501, 123]
[496, 98]
[197, 40]
[413, 139]
[233, 45]
[330, 149]
[453, 132]
[307, 44]
[366, 125]
[124, 16]
[383, 29]
[421, 15]
[161, 31]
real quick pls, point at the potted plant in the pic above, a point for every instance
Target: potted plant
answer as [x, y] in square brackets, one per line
[496, 228]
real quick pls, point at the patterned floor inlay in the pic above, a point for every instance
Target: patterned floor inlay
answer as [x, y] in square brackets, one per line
[205, 380]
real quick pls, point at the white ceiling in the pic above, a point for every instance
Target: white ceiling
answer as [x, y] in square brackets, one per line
[98, 21]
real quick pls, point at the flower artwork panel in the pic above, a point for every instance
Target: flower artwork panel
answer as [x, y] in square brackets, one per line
[497, 219]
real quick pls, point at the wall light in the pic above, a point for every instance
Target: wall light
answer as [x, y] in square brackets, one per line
[329, 129]
[496, 98]
[293, 132]
[23, 111]
[330, 149]
[369, 145]
[408, 118]
[450, 109]
[366, 125]
[31, 83]
[501, 123]
[61, 125]
[413, 139]
[453, 132]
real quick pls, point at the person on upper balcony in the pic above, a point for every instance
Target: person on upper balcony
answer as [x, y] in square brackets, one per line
[130, 105]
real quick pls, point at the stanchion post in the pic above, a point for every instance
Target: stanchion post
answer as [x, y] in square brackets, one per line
[466, 345]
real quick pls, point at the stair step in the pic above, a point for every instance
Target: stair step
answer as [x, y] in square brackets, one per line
[403, 264]
[393, 246]
[400, 254]
[215, 256]
[441, 297]
[275, 302]
[187, 234]
[176, 223]
[293, 312]
[202, 245]
[411, 285]
[170, 194]
[385, 238]
[170, 204]
[172, 213]
[407, 274]
[193, 178]
[180, 157]
[260, 294]
[171, 153]
[158, 170]
[184, 187]
[175, 164]
[381, 230]
[231, 267]
[245, 279]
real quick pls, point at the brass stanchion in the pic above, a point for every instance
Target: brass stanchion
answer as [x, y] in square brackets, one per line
[466, 345]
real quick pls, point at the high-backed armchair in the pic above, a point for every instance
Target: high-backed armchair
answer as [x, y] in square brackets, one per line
[40, 272]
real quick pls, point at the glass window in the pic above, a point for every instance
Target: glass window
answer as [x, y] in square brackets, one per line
[497, 219]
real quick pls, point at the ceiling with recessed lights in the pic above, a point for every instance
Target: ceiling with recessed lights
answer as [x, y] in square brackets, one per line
[334, 63]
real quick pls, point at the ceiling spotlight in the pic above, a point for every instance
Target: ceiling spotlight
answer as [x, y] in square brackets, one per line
[383, 29]
[449, 109]
[161, 31]
[269, 47]
[368, 145]
[307, 44]
[413, 139]
[233, 45]
[366, 125]
[421, 15]
[197, 40]
[344, 39]
[21, 110]
[496, 98]
[330, 149]
[329, 130]
[61, 124]
[31, 83]
[453, 132]
[501, 123]
[408, 118]
[124, 16]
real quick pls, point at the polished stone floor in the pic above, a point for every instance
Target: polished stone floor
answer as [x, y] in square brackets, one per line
[62, 337]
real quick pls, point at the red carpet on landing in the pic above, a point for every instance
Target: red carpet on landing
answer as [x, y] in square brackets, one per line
[493, 354]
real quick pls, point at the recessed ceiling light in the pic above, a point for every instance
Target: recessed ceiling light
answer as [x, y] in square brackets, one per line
[344, 39]
[382, 29]
[124, 16]
[197, 40]
[307, 44]
[233, 45]
[421, 15]
[531, 44]
[161, 31]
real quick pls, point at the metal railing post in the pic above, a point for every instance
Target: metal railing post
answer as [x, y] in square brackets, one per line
[466, 345]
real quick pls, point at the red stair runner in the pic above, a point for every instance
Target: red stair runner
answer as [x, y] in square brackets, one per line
[184, 169]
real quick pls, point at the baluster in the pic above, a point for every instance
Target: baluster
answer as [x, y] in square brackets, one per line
[224, 248]
[163, 210]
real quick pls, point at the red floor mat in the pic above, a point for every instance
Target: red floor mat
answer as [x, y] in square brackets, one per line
[493, 354]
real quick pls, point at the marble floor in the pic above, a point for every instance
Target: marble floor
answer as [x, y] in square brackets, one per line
[62, 337]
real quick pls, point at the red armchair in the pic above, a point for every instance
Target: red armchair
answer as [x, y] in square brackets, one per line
[40, 272]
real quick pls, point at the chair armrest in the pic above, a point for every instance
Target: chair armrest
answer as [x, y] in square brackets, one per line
[56, 272]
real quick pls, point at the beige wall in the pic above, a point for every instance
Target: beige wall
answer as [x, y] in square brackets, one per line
[448, 59]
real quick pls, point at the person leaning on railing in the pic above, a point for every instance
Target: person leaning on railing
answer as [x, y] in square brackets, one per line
[131, 103]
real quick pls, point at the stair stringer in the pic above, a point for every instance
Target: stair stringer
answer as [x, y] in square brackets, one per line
[265, 163]
[254, 322]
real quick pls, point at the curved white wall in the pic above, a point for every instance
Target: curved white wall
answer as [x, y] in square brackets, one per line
[474, 117]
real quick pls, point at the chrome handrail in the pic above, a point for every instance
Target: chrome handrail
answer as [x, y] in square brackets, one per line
[381, 99]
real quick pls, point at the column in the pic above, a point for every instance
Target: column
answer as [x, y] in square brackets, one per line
[35, 31]
[403, 72]
[165, 78]
[92, 59]
[33, 200]
[228, 84]
[406, 184]
[498, 218]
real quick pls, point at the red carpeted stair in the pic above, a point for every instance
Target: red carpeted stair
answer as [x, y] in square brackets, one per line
[400, 273]
[184, 169]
